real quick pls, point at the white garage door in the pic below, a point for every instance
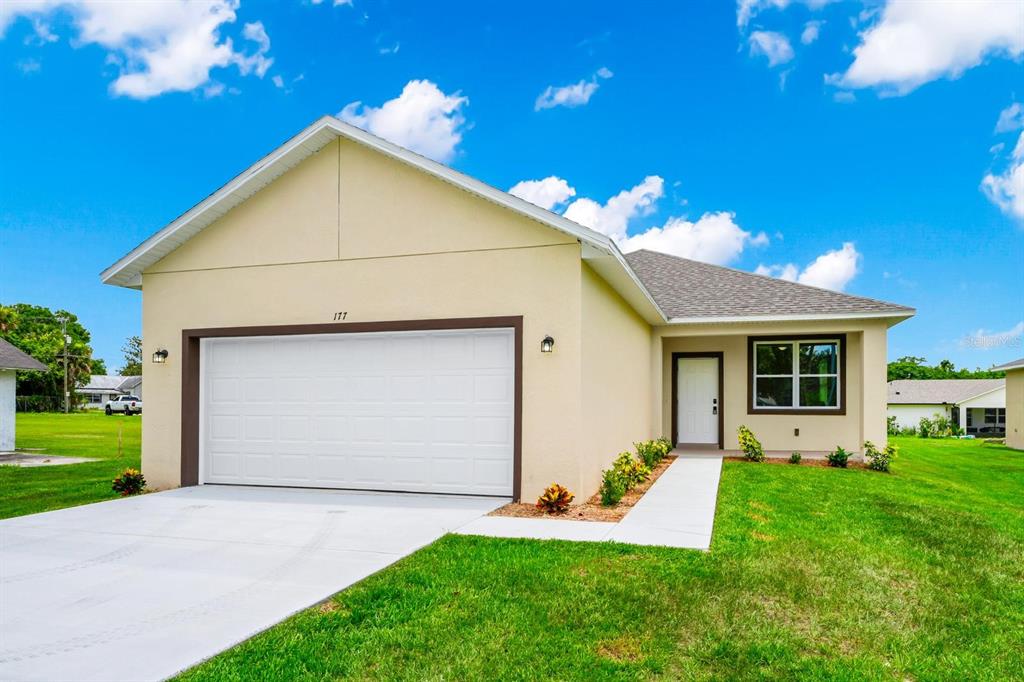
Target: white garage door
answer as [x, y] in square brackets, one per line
[408, 411]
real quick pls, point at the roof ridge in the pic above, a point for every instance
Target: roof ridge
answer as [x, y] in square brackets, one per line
[773, 279]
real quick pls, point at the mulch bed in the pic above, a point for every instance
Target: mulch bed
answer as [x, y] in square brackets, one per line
[592, 509]
[851, 464]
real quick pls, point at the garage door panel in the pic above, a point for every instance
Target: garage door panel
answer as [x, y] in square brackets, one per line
[416, 411]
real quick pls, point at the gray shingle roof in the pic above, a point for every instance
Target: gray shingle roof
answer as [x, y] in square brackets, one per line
[13, 358]
[1012, 364]
[110, 382]
[690, 289]
[938, 391]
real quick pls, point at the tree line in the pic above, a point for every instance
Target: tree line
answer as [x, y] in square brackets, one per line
[912, 367]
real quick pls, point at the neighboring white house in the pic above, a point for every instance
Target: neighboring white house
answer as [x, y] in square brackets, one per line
[977, 405]
[104, 387]
[11, 360]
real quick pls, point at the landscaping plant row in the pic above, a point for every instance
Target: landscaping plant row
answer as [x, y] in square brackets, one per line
[876, 460]
[626, 472]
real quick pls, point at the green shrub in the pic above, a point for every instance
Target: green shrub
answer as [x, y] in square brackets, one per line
[838, 457]
[129, 482]
[941, 426]
[892, 427]
[632, 470]
[651, 452]
[924, 427]
[908, 431]
[878, 460]
[613, 487]
[795, 458]
[751, 447]
[555, 500]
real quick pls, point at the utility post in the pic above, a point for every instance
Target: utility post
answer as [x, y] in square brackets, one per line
[64, 335]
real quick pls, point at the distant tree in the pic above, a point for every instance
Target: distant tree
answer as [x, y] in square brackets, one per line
[8, 319]
[132, 350]
[98, 366]
[37, 331]
[911, 367]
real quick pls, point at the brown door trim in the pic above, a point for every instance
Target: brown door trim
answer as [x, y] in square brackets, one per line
[190, 362]
[718, 355]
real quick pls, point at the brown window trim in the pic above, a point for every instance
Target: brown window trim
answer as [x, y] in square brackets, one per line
[832, 411]
[190, 358]
[718, 355]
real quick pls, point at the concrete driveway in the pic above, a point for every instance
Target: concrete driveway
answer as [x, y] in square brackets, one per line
[144, 587]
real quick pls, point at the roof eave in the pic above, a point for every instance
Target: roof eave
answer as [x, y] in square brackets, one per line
[895, 317]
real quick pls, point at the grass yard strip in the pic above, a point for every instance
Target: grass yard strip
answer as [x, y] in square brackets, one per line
[25, 490]
[816, 573]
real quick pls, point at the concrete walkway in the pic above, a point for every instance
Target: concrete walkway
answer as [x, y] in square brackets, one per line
[143, 587]
[677, 511]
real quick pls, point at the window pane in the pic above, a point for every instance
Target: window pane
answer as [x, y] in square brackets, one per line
[776, 392]
[819, 392]
[818, 358]
[774, 358]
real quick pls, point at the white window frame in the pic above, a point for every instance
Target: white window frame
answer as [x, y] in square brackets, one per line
[794, 345]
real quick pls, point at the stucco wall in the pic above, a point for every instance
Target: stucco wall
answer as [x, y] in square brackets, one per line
[616, 380]
[1015, 408]
[865, 385]
[996, 398]
[8, 386]
[911, 415]
[411, 247]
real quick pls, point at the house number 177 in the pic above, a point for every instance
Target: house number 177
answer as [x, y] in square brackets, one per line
[340, 316]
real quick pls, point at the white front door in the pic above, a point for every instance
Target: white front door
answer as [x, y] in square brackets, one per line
[424, 411]
[697, 399]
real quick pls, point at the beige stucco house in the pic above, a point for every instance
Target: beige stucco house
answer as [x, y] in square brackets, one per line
[1014, 402]
[346, 313]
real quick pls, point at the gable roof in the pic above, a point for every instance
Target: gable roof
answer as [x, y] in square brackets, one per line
[110, 382]
[689, 291]
[939, 391]
[661, 288]
[599, 250]
[1012, 364]
[12, 357]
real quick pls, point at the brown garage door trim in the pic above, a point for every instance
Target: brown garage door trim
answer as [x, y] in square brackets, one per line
[190, 359]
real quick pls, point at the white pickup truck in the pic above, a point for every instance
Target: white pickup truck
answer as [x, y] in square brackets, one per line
[128, 404]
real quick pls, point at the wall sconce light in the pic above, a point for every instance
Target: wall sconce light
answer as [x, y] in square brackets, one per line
[547, 345]
[160, 356]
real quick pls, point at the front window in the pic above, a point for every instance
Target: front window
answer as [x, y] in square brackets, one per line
[796, 374]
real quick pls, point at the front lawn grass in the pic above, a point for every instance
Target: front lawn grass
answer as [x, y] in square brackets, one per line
[813, 573]
[27, 490]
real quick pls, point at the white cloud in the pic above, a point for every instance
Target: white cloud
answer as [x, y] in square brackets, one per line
[391, 49]
[1011, 118]
[915, 42]
[277, 81]
[612, 218]
[714, 238]
[812, 29]
[422, 118]
[831, 270]
[158, 47]
[771, 45]
[574, 95]
[29, 66]
[547, 193]
[748, 9]
[986, 340]
[1006, 189]
[258, 62]
[335, 3]
[788, 272]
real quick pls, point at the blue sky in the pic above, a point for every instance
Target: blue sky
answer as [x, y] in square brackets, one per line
[869, 147]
